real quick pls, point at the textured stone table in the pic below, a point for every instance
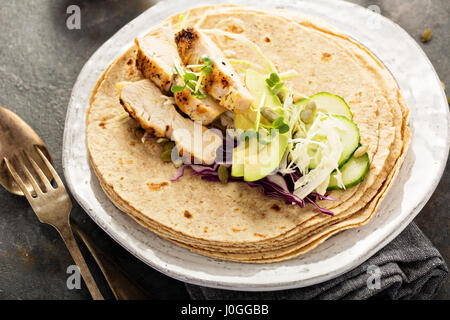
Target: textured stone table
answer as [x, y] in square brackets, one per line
[40, 59]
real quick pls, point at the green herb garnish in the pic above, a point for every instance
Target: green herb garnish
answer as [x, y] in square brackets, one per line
[200, 95]
[274, 83]
[206, 69]
[189, 76]
[192, 80]
[207, 61]
[273, 79]
[280, 125]
[176, 89]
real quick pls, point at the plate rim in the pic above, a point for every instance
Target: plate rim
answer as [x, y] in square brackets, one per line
[389, 236]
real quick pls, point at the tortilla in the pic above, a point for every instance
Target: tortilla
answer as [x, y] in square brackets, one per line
[234, 221]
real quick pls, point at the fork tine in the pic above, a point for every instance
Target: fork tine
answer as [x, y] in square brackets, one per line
[39, 172]
[50, 167]
[18, 179]
[30, 177]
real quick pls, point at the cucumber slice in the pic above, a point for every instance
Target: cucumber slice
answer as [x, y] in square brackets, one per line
[349, 134]
[353, 172]
[328, 103]
[350, 138]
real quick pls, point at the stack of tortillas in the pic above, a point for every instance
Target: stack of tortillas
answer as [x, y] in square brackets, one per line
[234, 221]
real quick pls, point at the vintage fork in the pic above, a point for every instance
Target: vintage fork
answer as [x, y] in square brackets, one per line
[52, 206]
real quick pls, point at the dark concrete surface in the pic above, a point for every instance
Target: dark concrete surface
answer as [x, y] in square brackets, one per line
[39, 62]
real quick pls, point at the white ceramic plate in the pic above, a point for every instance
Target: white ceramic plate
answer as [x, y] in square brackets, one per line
[416, 182]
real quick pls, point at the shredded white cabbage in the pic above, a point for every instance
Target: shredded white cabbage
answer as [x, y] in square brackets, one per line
[331, 150]
[270, 66]
[199, 82]
[194, 66]
[283, 164]
[339, 180]
[178, 68]
[288, 74]
[288, 100]
[258, 111]
[322, 188]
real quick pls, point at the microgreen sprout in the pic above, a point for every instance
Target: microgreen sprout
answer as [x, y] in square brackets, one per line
[193, 80]
[274, 83]
[189, 76]
[207, 61]
[181, 22]
[176, 89]
[280, 125]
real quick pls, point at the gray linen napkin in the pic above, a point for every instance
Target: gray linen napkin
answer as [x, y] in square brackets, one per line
[409, 268]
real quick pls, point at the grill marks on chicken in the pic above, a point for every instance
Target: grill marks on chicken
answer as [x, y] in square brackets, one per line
[156, 113]
[223, 84]
[156, 59]
[144, 102]
[204, 110]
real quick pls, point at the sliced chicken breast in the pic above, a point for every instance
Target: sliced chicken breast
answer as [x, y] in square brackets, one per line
[223, 84]
[145, 103]
[204, 110]
[156, 59]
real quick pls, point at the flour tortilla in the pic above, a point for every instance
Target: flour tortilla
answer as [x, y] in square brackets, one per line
[235, 221]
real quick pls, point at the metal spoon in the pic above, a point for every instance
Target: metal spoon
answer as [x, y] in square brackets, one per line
[16, 135]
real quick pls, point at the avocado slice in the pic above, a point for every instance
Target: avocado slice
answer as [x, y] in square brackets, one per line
[256, 84]
[260, 162]
[252, 159]
[237, 168]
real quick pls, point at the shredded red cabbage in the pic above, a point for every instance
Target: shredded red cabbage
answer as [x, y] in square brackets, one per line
[274, 185]
[179, 174]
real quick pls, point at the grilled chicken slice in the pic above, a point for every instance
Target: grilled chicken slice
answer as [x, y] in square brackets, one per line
[204, 110]
[144, 102]
[156, 59]
[223, 84]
